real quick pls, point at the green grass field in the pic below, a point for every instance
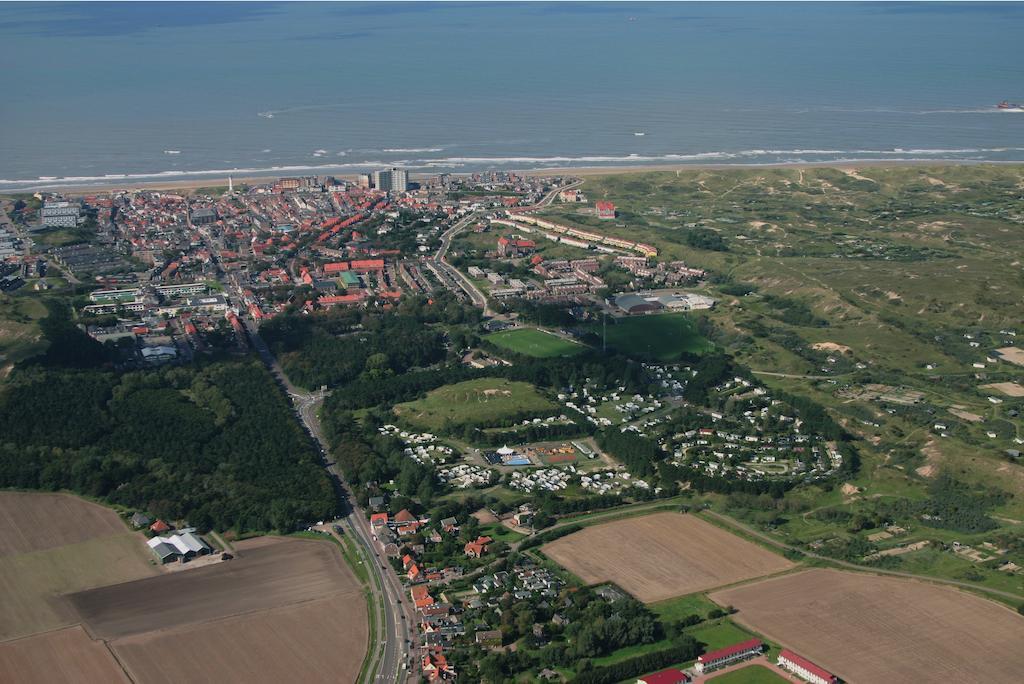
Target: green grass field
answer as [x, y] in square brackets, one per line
[534, 342]
[719, 634]
[751, 674]
[662, 337]
[475, 402]
[19, 329]
[681, 607]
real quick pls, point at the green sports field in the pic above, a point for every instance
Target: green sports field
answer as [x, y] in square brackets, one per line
[534, 342]
[662, 337]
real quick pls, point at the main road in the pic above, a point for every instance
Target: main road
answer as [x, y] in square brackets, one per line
[392, 653]
[440, 258]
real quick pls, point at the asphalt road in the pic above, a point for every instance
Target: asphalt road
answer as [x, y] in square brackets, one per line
[440, 259]
[395, 636]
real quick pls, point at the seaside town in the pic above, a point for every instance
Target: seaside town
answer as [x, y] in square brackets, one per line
[498, 369]
[169, 271]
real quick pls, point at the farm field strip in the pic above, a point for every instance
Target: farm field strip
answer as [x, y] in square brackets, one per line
[872, 629]
[662, 555]
[34, 522]
[268, 576]
[312, 641]
[65, 655]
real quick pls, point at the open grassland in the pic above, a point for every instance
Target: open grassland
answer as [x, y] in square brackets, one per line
[872, 629]
[659, 556]
[719, 634]
[475, 402]
[833, 279]
[19, 331]
[313, 641]
[534, 342]
[59, 657]
[751, 674]
[661, 337]
[53, 544]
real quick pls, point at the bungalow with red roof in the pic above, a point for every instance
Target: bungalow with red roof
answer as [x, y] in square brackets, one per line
[414, 574]
[421, 597]
[728, 655]
[515, 247]
[436, 666]
[605, 210]
[367, 265]
[805, 669]
[669, 676]
[476, 549]
[159, 526]
[404, 516]
[335, 268]
[378, 519]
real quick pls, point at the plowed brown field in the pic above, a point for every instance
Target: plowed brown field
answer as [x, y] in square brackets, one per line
[66, 656]
[659, 556]
[866, 628]
[315, 641]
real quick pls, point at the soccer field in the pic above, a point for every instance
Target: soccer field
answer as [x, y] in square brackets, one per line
[534, 342]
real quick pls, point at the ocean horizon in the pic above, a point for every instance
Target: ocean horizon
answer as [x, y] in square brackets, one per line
[103, 93]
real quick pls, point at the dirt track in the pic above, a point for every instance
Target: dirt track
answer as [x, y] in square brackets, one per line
[659, 556]
[268, 576]
[866, 628]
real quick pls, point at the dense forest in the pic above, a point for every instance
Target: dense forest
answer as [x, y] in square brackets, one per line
[350, 345]
[212, 444]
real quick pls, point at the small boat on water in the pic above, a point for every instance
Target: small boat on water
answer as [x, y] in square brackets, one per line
[1010, 106]
[639, 133]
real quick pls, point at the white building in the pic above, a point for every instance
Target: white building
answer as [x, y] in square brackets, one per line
[805, 669]
[60, 214]
[181, 546]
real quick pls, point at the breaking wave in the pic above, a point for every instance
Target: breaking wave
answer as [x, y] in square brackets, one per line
[739, 157]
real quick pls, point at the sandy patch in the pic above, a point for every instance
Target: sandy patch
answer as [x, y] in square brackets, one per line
[1010, 389]
[832, 347]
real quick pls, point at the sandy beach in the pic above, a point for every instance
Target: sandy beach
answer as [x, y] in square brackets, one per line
[190, 185]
